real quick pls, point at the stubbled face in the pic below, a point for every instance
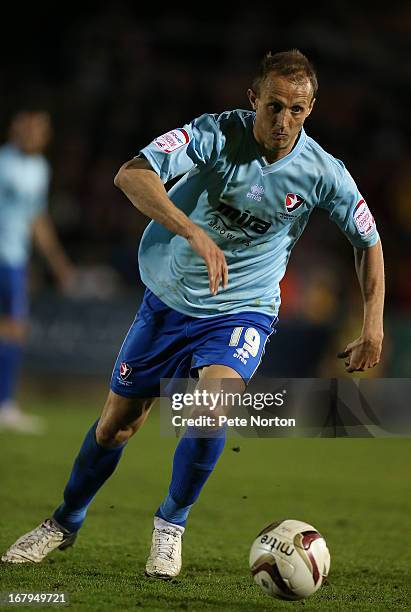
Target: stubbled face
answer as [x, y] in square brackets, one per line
[281, 108]
[31, 131]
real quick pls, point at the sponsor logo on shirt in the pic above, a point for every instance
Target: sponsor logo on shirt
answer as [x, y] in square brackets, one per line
[235, 219]
[363, 218]
[173, 140]
[256, 192]
[293, 201]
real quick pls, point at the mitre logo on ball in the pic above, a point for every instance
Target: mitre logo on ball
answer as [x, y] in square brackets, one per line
[293, 201]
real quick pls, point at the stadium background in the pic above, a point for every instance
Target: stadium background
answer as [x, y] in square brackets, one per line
[114, 77]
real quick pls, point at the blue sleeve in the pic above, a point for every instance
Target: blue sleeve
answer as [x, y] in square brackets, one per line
[195, 144]
[348, 209]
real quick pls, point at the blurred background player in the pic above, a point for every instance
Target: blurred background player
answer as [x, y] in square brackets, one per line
[24, 180]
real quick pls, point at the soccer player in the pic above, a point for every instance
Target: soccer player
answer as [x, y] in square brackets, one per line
[24, 178]
[212, 259]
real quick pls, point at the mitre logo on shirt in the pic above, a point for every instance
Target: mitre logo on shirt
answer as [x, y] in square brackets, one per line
[241, 220]
[293, 201]
[363, 218]
[256, 192]
[172, 140]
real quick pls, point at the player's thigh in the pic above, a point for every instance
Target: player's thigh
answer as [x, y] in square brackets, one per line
[13, 303]
[219, 386]
[121, 418]
[236, 341]
[217, 372]
[12, 330]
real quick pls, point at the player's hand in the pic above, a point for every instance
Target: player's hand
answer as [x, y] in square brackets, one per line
[362, 354]
[213, 256]
[67, 278]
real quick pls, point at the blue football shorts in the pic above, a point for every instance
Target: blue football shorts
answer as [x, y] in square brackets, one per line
[164, 343]
[13, 292]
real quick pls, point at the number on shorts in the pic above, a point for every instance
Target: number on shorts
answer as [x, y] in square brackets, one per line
[251, 337]
[235, 336]
[252, 341]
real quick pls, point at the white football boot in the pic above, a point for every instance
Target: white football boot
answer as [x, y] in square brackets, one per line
[33, 546]
[12, 418]
[164, 560]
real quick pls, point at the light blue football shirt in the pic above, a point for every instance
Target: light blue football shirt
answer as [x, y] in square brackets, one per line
[254, 211]
[24, 183]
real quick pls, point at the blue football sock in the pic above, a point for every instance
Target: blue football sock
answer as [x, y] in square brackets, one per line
[10, 357]
[194, 460]
[93, 465]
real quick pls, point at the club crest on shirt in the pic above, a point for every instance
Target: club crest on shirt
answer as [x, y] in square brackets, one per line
[172, 140]
[125, 370]
[363, 218]
[293, 201]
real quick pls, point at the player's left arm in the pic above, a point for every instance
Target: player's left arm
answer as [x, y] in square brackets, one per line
[365, 351]
[47, 241]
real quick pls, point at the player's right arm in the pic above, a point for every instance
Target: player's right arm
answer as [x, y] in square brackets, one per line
[46, 239]
[145, 190]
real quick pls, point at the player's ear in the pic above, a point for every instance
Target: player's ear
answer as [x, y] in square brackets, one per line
[252, 96]
[310, 108]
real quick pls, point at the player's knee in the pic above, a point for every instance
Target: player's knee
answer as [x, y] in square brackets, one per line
[120, 419]
[110, 435]
[104, 435]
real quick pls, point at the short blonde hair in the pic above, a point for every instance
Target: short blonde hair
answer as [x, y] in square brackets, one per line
[291, 64]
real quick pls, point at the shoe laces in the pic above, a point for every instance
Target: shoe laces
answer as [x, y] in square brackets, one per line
[166, 541]
[39, 536]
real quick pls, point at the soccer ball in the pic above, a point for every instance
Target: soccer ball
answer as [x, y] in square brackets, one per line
[289, 560]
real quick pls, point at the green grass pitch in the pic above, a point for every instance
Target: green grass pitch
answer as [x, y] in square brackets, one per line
[356, 492]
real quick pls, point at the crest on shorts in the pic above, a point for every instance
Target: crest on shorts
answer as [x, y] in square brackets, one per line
[125, 370]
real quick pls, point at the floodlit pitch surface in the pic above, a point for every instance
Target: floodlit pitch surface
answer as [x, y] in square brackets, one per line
[356, 492]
